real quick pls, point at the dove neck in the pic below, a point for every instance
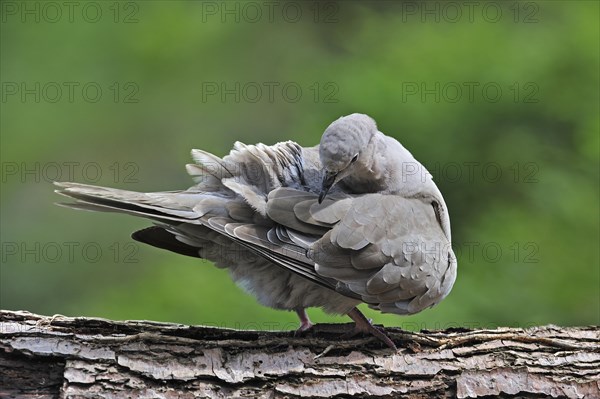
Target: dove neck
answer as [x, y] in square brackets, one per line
[409, 178]
[380, 169]
[390, 169]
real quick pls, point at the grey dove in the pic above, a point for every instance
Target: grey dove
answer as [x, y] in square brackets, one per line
[354, 219]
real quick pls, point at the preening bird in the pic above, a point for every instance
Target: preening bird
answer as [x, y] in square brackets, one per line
[354, 219]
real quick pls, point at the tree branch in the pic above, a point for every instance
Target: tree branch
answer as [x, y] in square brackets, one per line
[90, 357]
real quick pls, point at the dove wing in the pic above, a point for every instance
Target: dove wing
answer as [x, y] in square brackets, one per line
[389, 251]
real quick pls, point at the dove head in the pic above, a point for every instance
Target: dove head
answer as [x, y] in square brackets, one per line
[342, 148]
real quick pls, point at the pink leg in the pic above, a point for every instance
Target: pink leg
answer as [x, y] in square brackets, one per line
[305, 323]
[363, 325]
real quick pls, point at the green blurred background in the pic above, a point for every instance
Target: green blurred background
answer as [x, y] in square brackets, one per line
[499, 100]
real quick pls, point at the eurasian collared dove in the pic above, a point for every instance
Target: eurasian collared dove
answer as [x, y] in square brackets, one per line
[354, 219]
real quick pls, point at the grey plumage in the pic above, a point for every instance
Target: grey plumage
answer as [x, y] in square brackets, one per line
[381, 235]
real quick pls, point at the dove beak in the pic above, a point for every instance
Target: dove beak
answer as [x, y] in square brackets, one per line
[328, 180]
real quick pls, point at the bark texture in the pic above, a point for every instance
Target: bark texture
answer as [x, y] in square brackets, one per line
[88, 358]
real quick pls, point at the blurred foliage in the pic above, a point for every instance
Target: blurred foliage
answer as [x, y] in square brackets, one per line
[541, 133]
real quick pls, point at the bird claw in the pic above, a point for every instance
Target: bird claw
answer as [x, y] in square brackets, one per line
[303, 329]
[305, 324]
[365, 326]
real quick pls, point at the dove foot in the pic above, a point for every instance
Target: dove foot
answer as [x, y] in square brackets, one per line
[305, 323]
[364, 325]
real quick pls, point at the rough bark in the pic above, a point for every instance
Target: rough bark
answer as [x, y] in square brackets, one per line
[90, 357]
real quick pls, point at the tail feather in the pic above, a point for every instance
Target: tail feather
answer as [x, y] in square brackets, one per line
[150, 205]
[158, 237]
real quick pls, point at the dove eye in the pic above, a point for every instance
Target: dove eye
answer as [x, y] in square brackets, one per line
[354, 158]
